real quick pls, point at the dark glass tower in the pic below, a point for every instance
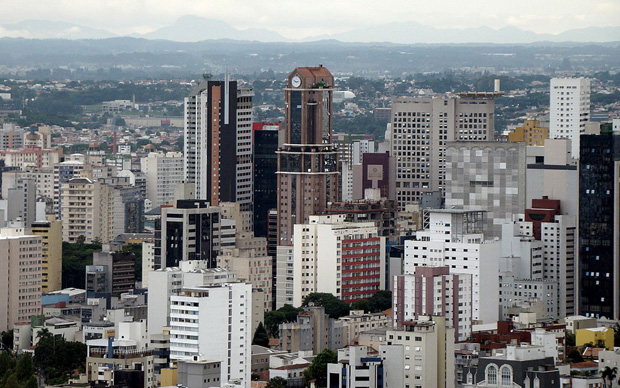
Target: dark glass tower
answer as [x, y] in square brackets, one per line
[599, 225]
[265, 181]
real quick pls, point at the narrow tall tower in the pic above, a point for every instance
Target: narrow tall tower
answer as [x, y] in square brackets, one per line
[218, 142]
[307, 161]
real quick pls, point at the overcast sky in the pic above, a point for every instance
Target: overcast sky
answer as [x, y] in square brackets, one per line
[299, 19]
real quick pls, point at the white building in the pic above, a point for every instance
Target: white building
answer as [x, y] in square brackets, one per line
[569, 109]
[346, 259]
[163, 173]
[214, 322]
[453, 239]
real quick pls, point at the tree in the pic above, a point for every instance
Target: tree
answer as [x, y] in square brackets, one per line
[24, 369]
[284, 314]
[575, 356]
[570, 339]
[6, 364]
[609, 374]
[380, 301]
[317, 371]
[334, 307]
[276, 382]
[260, 336]
[7, 339]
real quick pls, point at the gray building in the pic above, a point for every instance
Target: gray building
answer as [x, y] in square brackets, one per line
[421, 128]
[199, 374]
[487, 176]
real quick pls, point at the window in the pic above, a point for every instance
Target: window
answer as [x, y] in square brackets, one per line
[506, 376]
[491, 374]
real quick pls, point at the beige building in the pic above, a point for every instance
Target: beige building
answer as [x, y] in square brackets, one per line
[81, 208]
[427, 347]
[20, 277]
[51, 252]
[251, 265]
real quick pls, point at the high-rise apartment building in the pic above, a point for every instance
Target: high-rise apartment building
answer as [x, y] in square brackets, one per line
[426, 349]
[214, 322]
[346, 259]
[452, 238]
[163, 173]
[421, 128]
[569, 109]
[530, 133]
[218, 142]
[51, 252]
[20, 277]
[434, 291]
[307, 161]
[599, 231]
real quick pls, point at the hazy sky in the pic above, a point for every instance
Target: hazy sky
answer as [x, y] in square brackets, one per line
[298, 19]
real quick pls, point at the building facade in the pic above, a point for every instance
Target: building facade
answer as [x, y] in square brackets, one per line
[569, 109]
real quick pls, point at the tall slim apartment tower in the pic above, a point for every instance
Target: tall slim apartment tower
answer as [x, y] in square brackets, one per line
[569, 109]
[421, 127]
[599, 226]
[218, 142]
[307, 161]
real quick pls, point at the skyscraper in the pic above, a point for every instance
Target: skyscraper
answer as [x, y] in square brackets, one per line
[599, 232]
[218, 142]
[265, 180]
[569, 109]
[421, 127]
[307, 161]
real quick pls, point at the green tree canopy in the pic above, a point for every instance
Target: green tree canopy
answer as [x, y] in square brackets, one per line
[333, 306]
[260, 336]
[276, 382]
[317, 371]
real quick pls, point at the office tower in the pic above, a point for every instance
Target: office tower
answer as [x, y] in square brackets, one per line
[599, 242]
[218, 142]
[434, 291]
[163, 173]
[421, 128]
[20, 277]
[213, 322]
[187, 230]
[346, 259]
[487, 176]
[307, 161]
[51, 252]
[120, 268]
[569, 109]
[452, 238]
[265, 179]
[530, 133]
[426, 350]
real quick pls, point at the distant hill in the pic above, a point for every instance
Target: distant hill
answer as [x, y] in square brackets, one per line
[412, 33]
[196, 29]
[46, 29]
